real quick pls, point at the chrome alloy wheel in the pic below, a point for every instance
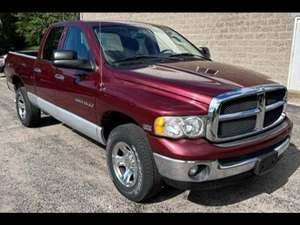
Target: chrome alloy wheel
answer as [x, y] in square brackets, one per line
[125, 164]
[21, 106]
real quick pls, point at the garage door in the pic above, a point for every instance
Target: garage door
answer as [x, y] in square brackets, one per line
[294, 74]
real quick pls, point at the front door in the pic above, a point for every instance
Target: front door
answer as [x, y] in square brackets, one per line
[77, 88]
[44, 70]
[294, 74]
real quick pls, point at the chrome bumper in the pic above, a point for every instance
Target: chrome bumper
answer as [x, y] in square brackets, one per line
[178, 169]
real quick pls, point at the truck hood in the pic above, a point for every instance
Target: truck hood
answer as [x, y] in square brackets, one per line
[198, 80]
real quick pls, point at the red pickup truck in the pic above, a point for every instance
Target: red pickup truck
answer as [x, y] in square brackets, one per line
[167, 113]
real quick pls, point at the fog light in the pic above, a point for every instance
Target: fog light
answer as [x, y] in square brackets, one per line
[195, 170]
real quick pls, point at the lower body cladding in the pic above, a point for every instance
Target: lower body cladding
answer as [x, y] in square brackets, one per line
[210, 170]
[84, 126]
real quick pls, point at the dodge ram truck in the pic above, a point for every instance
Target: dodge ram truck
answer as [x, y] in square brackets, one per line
[166, 112]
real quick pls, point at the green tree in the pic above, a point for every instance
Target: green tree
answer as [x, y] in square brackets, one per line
[32, 25]
[9, 38]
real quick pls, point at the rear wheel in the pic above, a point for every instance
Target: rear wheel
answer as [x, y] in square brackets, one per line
[131, 164]
[28, 114]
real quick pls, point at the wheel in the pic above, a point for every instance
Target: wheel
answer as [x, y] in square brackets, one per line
[131, 164]
[28, 114]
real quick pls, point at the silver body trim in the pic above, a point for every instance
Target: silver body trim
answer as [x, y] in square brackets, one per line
[215, 107]
[275, 105]
[239, 115]
[84, 126]
[178, 169]
[23, 55]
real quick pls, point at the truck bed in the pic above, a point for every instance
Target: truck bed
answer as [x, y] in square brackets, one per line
[31, 53]
[21, 64]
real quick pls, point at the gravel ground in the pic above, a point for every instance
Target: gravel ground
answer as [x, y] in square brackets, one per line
[54, 169]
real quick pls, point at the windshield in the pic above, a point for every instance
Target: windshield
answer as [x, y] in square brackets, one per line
[123, 43]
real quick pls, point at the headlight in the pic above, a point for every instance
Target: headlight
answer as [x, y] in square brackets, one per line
[177, 127]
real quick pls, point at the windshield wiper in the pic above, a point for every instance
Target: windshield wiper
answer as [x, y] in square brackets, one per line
[187, 55]
[139, 57]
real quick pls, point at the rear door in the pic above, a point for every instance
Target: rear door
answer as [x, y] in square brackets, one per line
[77, 95]
[44, 71]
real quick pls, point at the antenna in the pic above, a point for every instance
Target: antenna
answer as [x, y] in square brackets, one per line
[101, 65]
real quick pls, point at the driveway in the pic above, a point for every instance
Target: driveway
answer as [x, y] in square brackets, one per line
[54, 169]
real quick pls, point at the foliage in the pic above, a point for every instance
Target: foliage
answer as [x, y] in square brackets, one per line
[32, 25]
[9, 39]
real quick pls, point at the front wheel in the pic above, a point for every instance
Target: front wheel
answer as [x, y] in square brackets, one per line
[28, 114]
[131, 164]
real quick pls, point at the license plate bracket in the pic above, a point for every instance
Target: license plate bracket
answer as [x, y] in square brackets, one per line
[266, 163]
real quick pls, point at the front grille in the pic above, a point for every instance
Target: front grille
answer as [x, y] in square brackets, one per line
[238, 105]
[272, 115]
[274, 96]
[236, 127]
[245, 112]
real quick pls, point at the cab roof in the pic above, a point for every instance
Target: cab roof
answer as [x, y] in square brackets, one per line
[106, 22]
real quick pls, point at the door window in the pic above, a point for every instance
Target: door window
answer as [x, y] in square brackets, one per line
[76, 41]
[52, 42]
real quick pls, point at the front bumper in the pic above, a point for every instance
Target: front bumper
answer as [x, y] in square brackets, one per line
[178, 170]
[202, 149]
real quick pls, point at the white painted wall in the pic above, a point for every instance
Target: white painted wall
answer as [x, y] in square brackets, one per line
[294, 71]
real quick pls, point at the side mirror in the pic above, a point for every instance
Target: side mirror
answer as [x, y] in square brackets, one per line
[69, 59]
[205, 51]
[64, 55]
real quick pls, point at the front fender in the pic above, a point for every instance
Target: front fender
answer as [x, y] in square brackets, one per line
[144, 104]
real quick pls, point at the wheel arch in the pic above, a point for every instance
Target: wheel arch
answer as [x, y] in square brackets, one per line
[112, 119]
[17, 81]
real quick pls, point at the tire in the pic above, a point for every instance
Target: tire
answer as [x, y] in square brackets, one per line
[144, 183]
[28, 114]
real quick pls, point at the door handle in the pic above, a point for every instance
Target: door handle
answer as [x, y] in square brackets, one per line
[37, 70]
[59, 77]
[79, 77]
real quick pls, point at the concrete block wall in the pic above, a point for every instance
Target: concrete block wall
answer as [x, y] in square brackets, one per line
[257, 41]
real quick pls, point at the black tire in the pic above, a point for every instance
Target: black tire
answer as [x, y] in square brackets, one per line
[148, 181]
[32, 115]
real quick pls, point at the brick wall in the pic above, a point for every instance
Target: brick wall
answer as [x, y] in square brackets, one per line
[258, 41]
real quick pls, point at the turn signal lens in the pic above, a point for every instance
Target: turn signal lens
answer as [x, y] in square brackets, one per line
[159, 126]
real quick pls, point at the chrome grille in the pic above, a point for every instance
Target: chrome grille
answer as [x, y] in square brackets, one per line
[246, 111]
[236, 127]
[238, 105]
